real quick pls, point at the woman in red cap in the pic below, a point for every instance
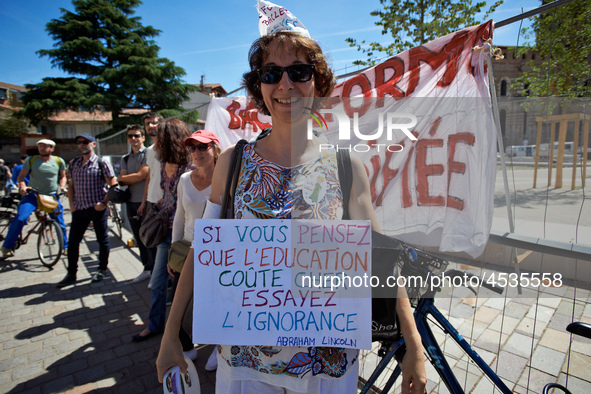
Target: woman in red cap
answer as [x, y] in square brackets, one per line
[193, 192]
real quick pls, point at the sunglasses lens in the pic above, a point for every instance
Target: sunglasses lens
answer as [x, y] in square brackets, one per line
[200, 147]
[300, 72]
[270, 74]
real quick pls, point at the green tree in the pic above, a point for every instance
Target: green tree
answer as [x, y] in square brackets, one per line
[563, 47]
[415, 22]
[11, 127]
[113, 62]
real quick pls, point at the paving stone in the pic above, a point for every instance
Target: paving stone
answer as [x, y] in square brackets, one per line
[578, 366]
[557, 340]
[26, 371]
[27, 349]
[516, 310]
[531, 327]
[486, 314]
[547, 360]
[506, 323]
[540, 313]
[520, 345]
[510, 366]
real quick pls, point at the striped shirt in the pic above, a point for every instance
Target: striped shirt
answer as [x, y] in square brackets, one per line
[89, 180]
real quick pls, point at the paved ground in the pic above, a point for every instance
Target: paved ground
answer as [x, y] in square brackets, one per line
[78, 339]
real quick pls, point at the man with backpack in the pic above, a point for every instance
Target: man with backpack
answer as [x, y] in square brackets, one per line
[47, 176]
[87, 194]
[134, 174]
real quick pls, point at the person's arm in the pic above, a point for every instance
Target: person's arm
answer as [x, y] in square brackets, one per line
[71, 195]
[101, 206]
[414, 375]
[22, 185]
[62, 179]
[178, 223]
[171, 351]
[130, 179]
[142, 209]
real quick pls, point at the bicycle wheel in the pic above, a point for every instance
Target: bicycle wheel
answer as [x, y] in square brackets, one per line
[116, 219]
[50, 243]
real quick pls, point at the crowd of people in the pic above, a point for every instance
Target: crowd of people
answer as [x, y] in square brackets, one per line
[174, 174]
[184, 174]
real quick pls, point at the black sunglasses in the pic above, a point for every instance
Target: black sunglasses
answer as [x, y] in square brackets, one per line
[82, 142]
[130, 136]
[296, 72]
[200, 147]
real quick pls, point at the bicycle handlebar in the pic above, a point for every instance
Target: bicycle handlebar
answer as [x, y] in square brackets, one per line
[419, 263]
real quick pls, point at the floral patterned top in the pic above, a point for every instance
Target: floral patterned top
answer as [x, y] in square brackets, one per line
[267, 190]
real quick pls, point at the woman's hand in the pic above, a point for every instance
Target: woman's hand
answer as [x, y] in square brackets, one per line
[170, 270]
[414, 376]
[170, 354]
[101, 206]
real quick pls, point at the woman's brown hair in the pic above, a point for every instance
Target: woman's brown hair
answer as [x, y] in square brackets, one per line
[170, 144]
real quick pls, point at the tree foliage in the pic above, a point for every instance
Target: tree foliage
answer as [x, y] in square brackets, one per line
[563, 47]
[415, 22]
[113, 62]
[12, 127]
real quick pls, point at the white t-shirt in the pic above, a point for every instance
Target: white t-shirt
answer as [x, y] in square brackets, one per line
[190, 206]
[154, 190]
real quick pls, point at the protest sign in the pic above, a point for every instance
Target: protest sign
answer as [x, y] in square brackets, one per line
[282, 282]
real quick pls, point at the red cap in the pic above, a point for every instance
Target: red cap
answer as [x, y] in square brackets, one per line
[203, 136]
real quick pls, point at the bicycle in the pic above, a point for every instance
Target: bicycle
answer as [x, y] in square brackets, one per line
[115, 217]
[417, 263]
[50, 241]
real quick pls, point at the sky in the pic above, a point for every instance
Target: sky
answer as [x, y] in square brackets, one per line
[211, 38]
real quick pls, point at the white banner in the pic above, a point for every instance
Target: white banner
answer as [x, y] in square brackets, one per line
[437, 190]
[283, 282]
[235, 118]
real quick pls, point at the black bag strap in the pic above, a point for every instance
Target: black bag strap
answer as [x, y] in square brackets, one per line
[232, 181]
[345, 179]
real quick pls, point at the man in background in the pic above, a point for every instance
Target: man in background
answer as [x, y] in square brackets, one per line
[88, 175]
[133, 174]
[5, 175]
[47, 176]
[17, 170]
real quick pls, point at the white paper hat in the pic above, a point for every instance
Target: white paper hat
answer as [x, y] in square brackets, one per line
[274, 18]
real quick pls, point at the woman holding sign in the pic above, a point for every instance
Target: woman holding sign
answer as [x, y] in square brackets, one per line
[287, 70]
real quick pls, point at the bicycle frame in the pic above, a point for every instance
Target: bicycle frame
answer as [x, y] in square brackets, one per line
[41, 217]
[425, 308]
